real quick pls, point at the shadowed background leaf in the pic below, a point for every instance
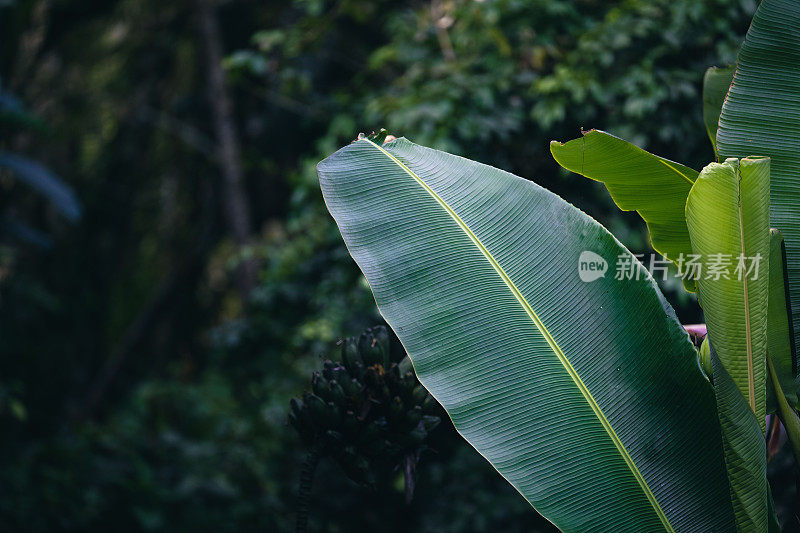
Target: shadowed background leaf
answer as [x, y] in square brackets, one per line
[716, 82]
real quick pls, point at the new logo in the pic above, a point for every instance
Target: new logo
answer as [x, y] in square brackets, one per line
[591, 266]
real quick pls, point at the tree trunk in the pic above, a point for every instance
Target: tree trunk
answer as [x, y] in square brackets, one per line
[236, 210]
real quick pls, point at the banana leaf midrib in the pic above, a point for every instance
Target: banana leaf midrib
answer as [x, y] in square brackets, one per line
[751, 380]
[558, 352]
[667, 164]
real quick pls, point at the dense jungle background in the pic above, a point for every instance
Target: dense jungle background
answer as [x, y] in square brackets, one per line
[170, 278]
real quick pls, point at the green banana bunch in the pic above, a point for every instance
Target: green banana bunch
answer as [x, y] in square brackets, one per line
[368, 412]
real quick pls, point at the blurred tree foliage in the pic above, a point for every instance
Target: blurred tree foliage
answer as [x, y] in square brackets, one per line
[137, 390]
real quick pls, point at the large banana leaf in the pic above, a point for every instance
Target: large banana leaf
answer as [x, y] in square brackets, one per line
[716, 82]
[654, 187]
[637, 180]
[728, 217]
[761, 116]
[780, 343]
[745, 453]
[585, 395]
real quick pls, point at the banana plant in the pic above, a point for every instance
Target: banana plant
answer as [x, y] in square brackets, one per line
[504, 298]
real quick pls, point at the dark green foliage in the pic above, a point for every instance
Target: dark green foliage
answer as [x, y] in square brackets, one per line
[174, 454]
[367, 411]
